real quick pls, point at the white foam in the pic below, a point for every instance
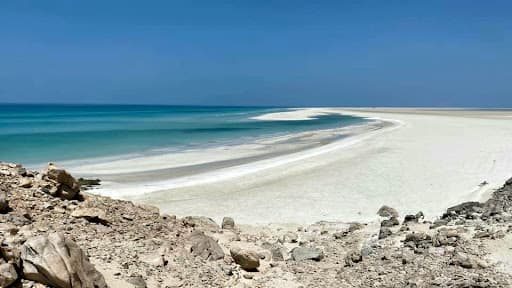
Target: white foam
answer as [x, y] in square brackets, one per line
[241, 170]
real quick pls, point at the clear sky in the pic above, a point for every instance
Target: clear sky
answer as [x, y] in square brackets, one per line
[285, 53]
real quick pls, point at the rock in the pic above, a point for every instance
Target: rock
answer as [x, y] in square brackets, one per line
[352, 257]
[4, 203]
[410, 218]
[466, 261]
[204, 223]
[247, 259]
[25, 183]
[156, 259]
[418, 240]
[137, 282]
[355, 226]
[386, 211]
[204, 246]
[277, 254]
[228, 223]
[94, 215]
[384, 232]
[8, 274]
[289, 237]
[464, 209]
[438, 223]
[57, 261]
[306, 253]
[393, 221]
[68, 187]
[89, 182]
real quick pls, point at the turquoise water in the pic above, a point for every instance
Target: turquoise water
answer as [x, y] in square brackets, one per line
[34, 134]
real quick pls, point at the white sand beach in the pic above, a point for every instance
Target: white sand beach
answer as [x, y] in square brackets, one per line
[421, 160]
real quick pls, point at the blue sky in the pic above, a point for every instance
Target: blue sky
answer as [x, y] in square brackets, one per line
[284, 53]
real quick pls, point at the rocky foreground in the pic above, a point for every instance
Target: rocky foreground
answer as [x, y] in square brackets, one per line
[55, 235]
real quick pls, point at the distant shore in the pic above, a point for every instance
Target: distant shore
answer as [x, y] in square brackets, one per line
[412, 159]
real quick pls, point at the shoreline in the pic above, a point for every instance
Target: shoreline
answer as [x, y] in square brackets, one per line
[230, 161]
[121, 244]
[430, 163]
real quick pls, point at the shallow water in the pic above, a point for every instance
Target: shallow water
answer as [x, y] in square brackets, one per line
[34, 134]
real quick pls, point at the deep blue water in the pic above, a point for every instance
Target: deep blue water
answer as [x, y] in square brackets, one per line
[33, 134]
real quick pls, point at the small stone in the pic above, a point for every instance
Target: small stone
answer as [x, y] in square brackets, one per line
[228, 223]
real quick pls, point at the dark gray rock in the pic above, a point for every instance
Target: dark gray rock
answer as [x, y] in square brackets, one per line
[4, 203]
[228, 223]
[386, 211]
[384, 232]
[393, 221]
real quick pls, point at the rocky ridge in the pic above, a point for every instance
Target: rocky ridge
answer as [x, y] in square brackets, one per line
[52, 234]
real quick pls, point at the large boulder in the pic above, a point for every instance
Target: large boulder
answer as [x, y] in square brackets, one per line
[247, 259]
[67, 186]
[204, 246]
[58, 262]
[8, 274]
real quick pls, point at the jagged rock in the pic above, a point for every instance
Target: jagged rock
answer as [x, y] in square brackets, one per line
[8, 274]
[384, 232]
[204, 246]
[4, 203]
[306, 253]
[204, 223]
[57, 261]
[67, 186]
[464, 209]
[94, 215]
[25, 183]
[247, 259]
[228, 223]
[386, 211]
[393, 221]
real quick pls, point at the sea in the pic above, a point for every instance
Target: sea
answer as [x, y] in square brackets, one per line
[33, 134]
